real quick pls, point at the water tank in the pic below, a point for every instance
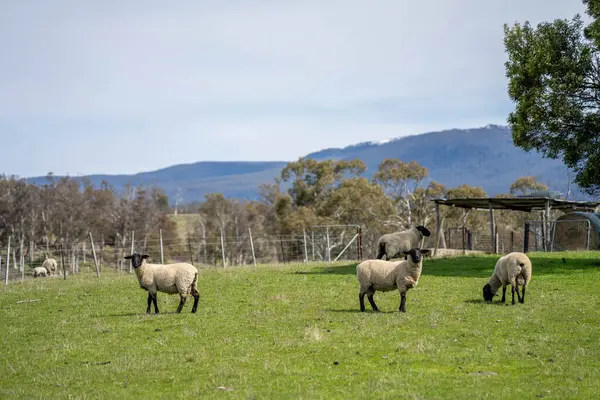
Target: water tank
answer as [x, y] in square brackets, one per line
[571, 231]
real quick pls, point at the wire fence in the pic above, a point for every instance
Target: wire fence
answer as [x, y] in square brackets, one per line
[323, 243]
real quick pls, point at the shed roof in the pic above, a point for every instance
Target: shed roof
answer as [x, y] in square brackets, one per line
[518, 203]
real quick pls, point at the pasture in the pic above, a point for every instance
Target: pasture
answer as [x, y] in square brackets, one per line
[295, 331]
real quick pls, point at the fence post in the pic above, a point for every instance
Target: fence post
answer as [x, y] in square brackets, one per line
[312, 235]
[252, 246]
[162, 257]
[190, 249]
[62, 255]
[132, 247]
[22, 260]
[7, 261]
[305, 248]
[95, 258]
[526, 238]
[328, 251]
[359, 244]
[31, 258]
[222, 248]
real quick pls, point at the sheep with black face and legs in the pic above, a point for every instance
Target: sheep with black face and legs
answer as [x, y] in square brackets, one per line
[514, 269]
[179, 278]
[392, 245]
[384, 276]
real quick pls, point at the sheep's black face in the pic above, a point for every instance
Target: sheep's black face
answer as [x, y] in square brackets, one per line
[424, 231]
[136, 259]
[416, 254]
[487, 292]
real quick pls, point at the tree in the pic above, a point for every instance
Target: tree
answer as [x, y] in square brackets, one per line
[526, 185]
[400, 181]
[554, 80]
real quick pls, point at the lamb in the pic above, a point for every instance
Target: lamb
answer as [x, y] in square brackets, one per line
[386, 275]
[170, 278]
[51, 265]
[39, 271]
[514, 269]
[393, 244]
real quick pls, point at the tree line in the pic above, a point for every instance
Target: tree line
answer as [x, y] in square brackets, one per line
[63, 212]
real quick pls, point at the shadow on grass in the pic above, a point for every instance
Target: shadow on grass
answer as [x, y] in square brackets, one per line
[139, 314]
[492, 303]
[477, 266]
[357, 311]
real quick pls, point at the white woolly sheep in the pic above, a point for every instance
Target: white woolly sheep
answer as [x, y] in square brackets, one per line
[170, 278]
[514, 269]
[51, 265]
[39, 271]
[384, 276]
[391, 245]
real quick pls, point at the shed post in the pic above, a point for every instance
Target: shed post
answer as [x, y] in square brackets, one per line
[493, 230]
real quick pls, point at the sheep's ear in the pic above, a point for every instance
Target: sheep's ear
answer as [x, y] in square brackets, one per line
[128, 257]
[424, 251]
[145, 256]
[407, 252]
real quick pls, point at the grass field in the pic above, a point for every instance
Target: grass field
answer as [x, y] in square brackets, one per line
[295, 332]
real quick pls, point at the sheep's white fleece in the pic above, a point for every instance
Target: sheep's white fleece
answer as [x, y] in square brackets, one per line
[51, 265]
[169, 278]
[39, 271]
[393, 244]
[508, 270]
[383, 276]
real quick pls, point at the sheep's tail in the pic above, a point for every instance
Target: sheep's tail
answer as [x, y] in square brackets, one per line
[194, 285]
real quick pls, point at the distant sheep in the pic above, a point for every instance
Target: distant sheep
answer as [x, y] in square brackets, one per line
[51, 265]
[391, 245]
[514, 269]
[39, 271]
[179, 278]
[384, 276]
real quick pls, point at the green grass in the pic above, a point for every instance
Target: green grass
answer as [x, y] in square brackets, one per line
[296, 332]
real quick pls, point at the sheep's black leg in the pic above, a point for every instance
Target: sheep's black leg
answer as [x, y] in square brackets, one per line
[373, 305]
[513, 293]
[503, 294]
[403, 302]
[196, 299]
[518, 294]
[155, 303]
[361, 300]
[522, 300]
[149, 303]
[182, 300]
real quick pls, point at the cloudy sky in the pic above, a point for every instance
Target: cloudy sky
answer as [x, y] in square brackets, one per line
[123, 86]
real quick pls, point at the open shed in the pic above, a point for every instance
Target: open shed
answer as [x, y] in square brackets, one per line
[525, 204]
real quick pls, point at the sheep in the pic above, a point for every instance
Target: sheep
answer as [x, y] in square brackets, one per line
[39, 271]
[51, 265]
[385, 276]
[514, 269]
[170, 278]
[393, 244]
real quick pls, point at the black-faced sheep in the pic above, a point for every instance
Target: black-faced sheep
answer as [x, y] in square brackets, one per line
[392, 245]
[179, 278]
[514, 269]
[384, 276]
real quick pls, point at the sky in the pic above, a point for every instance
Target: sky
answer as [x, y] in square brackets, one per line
[124, 86]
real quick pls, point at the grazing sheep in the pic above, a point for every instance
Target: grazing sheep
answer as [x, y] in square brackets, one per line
[170, 278]
[514, 269]
[39, 271]
[51, 265]
[393, 244]
[385, 275]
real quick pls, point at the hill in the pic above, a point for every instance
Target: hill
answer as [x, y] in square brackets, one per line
[483, 157]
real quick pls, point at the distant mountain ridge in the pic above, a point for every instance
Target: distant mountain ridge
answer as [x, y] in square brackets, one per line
[483, 157]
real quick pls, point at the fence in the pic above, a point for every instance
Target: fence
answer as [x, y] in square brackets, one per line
[321, 243]
[561, 235]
